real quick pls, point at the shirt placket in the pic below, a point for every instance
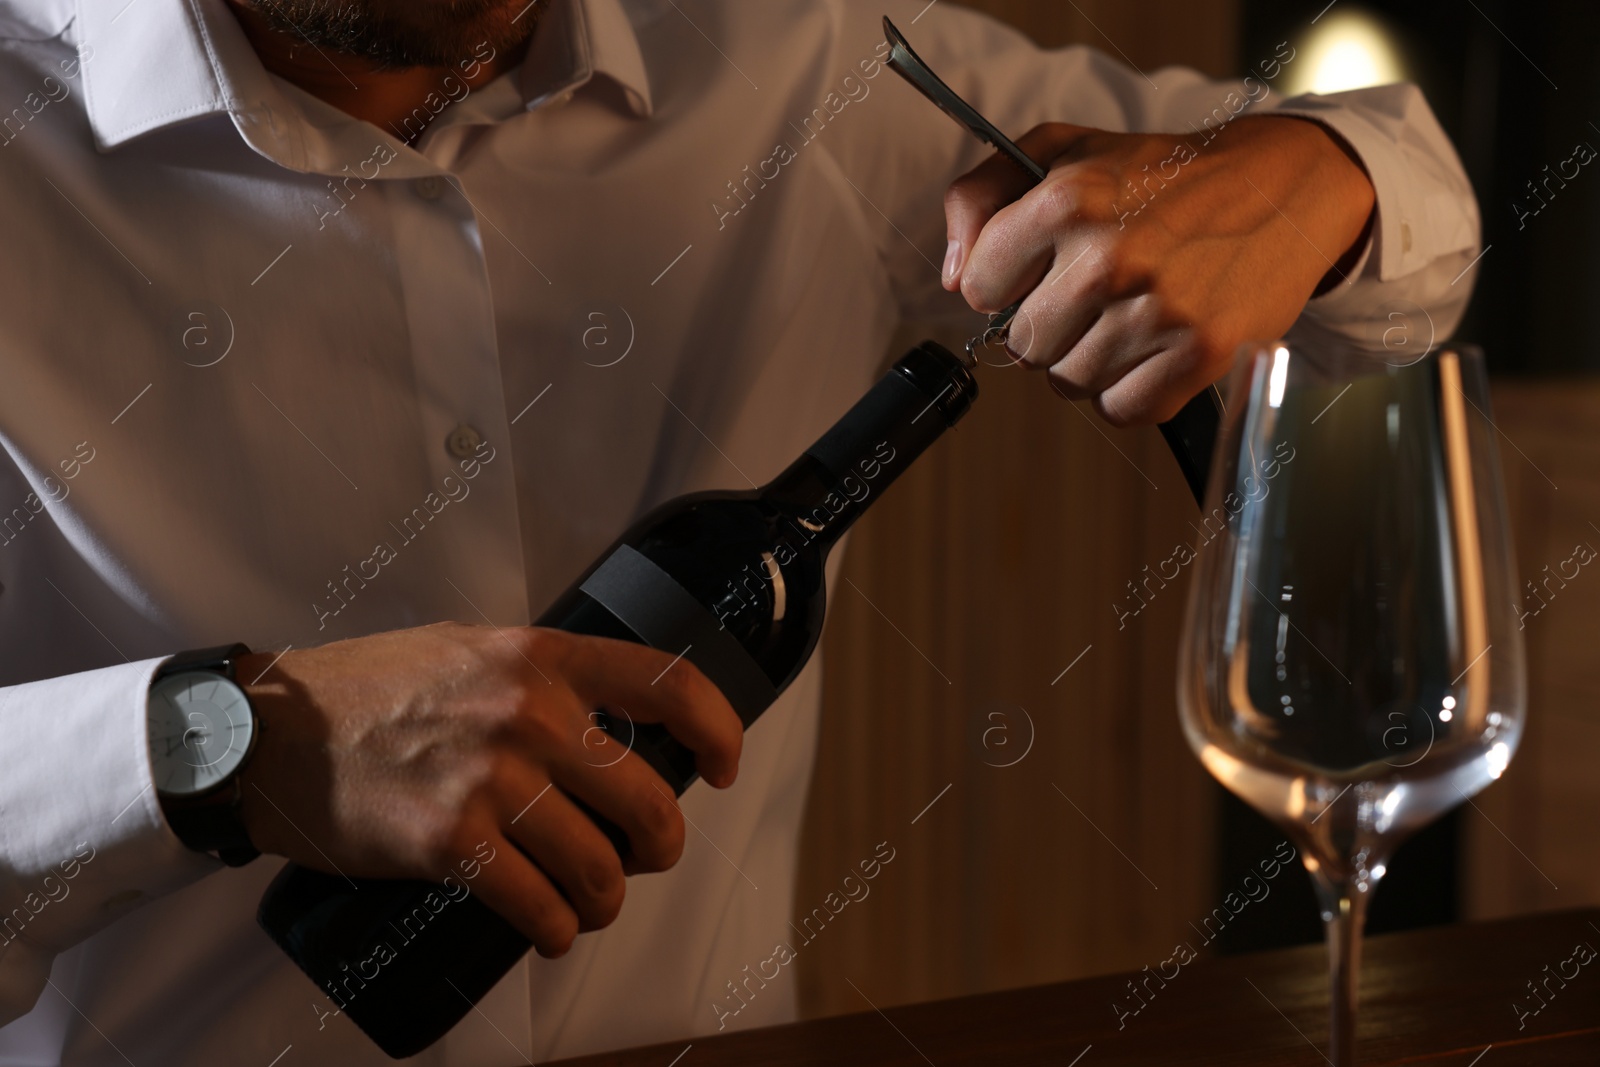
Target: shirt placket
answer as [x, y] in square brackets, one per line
[449, 311]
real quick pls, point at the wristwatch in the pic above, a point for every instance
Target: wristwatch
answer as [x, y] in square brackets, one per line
[201, 731]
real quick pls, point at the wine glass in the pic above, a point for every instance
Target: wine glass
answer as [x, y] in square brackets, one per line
[1351, 663]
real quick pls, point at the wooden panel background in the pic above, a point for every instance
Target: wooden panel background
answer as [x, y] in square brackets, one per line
[985, 573]
[1531, 841]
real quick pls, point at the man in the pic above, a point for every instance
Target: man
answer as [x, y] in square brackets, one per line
[325, 322]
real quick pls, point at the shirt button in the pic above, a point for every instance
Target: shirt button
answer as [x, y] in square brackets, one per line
[463, 441]
[428, 187]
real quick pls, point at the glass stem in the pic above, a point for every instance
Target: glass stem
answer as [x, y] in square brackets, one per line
[1344, 913]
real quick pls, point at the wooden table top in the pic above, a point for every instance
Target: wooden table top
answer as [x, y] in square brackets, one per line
[1441, 997]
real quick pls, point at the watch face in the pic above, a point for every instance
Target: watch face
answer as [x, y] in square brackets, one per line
[200, 730]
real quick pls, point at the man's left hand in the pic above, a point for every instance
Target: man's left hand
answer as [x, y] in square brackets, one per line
[1147, 259]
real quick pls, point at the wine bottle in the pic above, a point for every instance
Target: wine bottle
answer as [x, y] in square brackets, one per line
[732, 581]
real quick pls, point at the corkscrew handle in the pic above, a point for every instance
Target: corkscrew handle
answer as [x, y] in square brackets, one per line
[1191, 435]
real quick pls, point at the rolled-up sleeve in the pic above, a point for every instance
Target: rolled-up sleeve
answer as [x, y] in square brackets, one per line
[1413, 282]
[82, 838]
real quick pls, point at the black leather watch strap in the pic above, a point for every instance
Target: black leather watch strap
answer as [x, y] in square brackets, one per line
[219, 659]
[211, 821]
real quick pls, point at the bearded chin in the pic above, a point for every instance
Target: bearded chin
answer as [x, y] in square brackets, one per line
[398, 34]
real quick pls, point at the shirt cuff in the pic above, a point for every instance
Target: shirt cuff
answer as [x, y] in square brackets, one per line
[1417, 220]
[83, 840]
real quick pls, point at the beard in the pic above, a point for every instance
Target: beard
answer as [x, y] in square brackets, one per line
[399, 34]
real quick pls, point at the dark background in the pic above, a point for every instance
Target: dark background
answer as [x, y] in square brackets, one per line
[1536, 286]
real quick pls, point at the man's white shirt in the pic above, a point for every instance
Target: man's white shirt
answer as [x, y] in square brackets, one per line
[251, 347]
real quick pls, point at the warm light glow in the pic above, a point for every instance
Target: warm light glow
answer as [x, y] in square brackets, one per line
[1280, 376]
[1347, 50]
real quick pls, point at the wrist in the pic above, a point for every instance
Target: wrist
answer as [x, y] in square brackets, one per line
[1347, 200]
[201, 731]
[257, 777]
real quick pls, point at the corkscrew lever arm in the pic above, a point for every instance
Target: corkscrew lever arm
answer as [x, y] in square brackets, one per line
[1191, 434]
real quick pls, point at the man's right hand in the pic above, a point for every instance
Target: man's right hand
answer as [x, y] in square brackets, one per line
[395, 755]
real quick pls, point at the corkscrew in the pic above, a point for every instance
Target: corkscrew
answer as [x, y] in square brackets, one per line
[995, 333]
[1191, 434]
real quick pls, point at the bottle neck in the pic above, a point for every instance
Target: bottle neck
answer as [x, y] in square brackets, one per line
[834, 481]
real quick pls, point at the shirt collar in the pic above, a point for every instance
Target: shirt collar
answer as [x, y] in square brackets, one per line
[155, 63]
[577, 40]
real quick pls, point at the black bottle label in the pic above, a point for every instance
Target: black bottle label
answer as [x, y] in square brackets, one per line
[665, 616]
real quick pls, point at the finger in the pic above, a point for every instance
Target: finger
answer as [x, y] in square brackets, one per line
[521, 894]
[1152, 392]
[974, 198]
[1119, 340]
[1060, 310]
[571, 851]
[626, 791]
[659, 687]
